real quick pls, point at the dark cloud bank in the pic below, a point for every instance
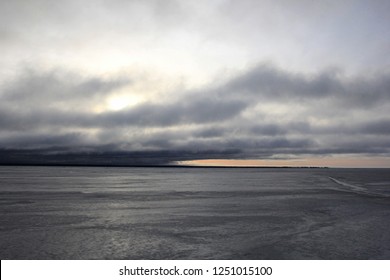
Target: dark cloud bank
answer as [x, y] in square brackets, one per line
[266, 112]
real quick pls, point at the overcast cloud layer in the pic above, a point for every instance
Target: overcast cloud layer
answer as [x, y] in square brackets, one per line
[155, 82]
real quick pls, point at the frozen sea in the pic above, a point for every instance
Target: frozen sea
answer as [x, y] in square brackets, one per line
[194, 213]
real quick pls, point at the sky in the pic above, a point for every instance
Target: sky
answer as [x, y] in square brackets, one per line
[217, 82]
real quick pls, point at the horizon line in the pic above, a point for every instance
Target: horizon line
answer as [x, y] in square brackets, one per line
[185, 166]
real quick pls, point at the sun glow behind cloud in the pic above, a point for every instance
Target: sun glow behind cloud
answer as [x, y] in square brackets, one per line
[119, 102]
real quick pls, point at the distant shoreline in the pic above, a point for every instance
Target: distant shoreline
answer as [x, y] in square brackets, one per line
[184, 166]
[168, 166]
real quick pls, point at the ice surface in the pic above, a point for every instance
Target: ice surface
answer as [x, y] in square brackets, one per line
[168, 213]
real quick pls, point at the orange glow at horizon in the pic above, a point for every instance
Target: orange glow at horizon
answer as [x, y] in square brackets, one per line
[369, 162]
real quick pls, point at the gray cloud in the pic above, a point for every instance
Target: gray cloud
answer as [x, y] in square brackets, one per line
[39, 141]
[266, 82]
[188, 111]
[51, 111]
[56, 89]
